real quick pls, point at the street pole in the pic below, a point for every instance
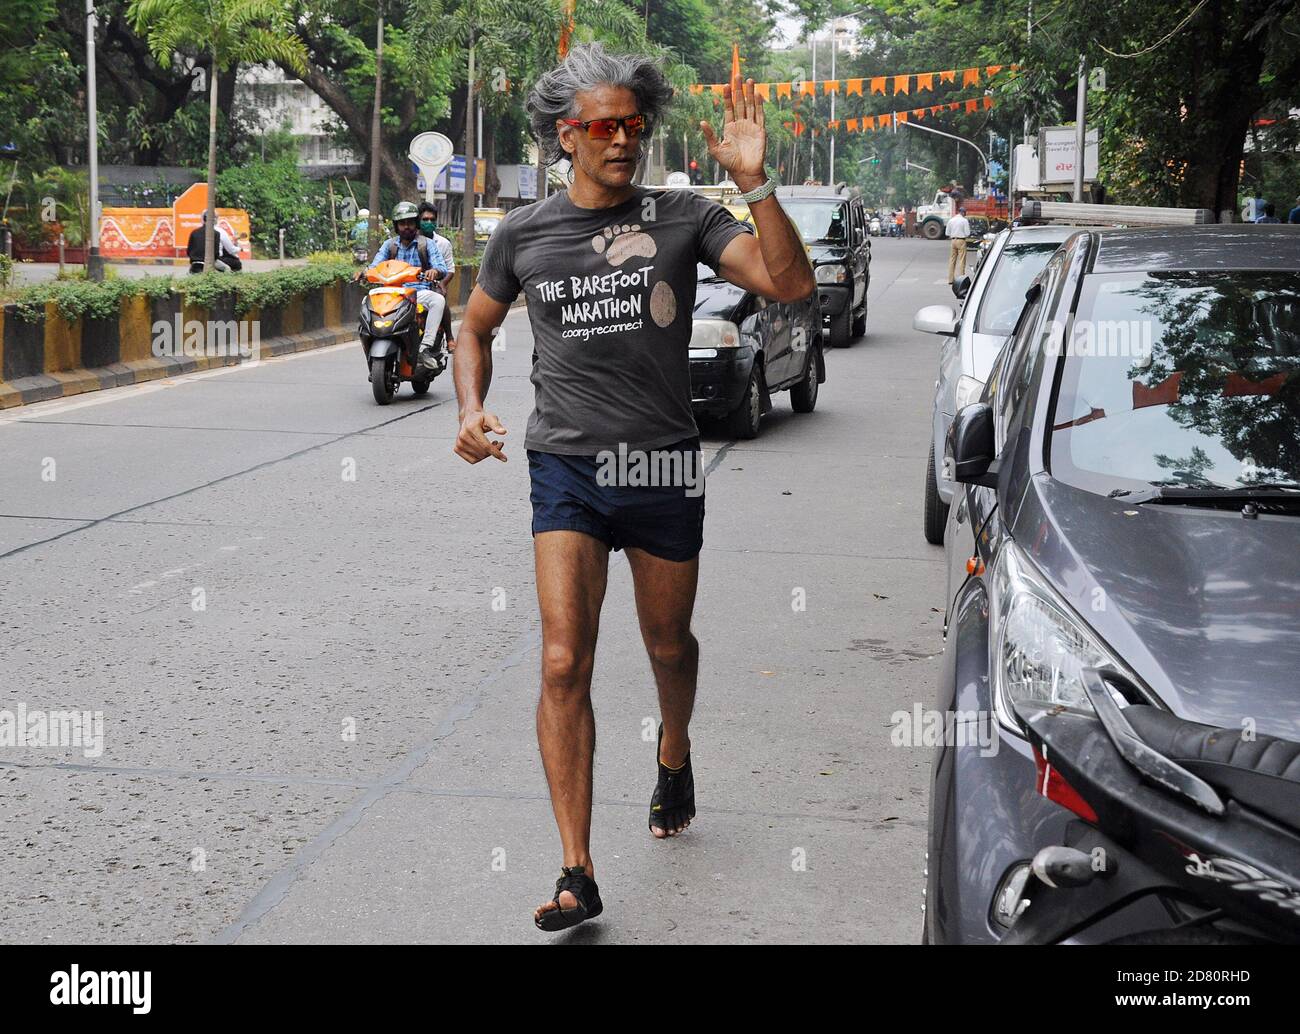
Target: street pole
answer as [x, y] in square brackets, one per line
[375, 220]
[1080, 130]
[471, 161]
[835, 46]
[94, 264]
[811, 147]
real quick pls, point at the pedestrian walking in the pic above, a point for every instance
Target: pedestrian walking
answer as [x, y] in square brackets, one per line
[958, 231]
[609, 270]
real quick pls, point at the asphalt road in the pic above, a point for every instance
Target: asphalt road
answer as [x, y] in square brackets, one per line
[231, 804]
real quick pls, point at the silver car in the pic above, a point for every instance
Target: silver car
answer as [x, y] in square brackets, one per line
[994, 296]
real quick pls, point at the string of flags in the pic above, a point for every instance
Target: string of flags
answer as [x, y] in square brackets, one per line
[870, 123]
[910, 84]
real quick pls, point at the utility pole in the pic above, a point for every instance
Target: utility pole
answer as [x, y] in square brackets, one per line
[1080, 128]
[94, 264]
[471, 159]
[376, 127]
[835, 46]
[812, 148]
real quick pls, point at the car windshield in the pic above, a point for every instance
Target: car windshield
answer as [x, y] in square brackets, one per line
[1009, 279]
[817, 221]
[1181, 379]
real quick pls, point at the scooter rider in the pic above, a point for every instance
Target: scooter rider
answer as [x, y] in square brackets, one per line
[411, 247]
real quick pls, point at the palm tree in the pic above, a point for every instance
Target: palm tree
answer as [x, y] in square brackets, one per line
[231, 32]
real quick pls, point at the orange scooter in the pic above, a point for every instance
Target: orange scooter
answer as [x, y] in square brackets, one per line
[392, 327]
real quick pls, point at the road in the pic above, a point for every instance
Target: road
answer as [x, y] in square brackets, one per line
[231, 802]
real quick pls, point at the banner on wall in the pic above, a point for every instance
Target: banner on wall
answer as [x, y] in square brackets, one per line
[164, 233]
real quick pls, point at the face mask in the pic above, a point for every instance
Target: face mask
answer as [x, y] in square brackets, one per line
[427, 227]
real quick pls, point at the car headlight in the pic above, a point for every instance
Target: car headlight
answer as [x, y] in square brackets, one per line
[969, 390]
[714, 334]
[1037, 646]
[832, 273]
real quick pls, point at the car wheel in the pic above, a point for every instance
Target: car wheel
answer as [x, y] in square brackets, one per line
[860, 322]
[803, 396]
[932, 230]
[744, 420]
[936, 510]
[841, 329]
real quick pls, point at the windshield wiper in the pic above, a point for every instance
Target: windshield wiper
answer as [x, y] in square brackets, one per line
[1270, 491]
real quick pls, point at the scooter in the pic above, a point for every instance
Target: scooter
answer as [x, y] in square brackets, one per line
[391, 329]
[1187, 833]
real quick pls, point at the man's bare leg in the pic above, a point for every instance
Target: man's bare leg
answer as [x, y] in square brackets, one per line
[665, 600]
[572, 569]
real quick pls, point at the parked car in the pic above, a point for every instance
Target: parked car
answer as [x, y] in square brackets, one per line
[832, 222]
[993, 295]
[1128, 502]
[745, 348]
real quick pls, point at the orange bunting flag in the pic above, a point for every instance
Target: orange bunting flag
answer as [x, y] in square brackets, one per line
[878, 84]
[992, 70]
[853, 125]
[833, 124]
[782, 90]
[901, 116]
[935, 109]
[925, 82]
[970, 77]
[717, 89]
[918, 113]
[697, 87]
[830, 86]
[988, 103]
[853, 86]
[763, 90]
[971, 106]
[900, 84]
[954, 105]
[808, 87]
[948, 76]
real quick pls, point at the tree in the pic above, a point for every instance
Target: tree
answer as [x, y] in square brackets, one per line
[229, 32]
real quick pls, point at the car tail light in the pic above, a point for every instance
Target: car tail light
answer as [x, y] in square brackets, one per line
[1052, 785]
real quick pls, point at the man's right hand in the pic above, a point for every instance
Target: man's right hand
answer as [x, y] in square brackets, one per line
[472, 443]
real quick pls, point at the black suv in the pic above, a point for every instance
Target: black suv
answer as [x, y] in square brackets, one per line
[833, 224]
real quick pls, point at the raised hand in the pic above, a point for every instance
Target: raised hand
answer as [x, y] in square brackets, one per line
[744, 134]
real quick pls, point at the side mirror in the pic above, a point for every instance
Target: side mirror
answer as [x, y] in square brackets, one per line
[935, 319]
[970, 446]
[961, 286]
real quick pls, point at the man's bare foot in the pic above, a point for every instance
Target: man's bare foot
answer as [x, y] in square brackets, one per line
[578, 899]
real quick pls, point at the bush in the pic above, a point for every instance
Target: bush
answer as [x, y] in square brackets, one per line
[78, 298]
[275, 194]
[6, 270]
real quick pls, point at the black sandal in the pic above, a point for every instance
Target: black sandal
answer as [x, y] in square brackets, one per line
[674, 797]
[576, 881]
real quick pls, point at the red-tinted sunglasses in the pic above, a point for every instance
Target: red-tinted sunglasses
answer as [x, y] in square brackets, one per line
[605, 128]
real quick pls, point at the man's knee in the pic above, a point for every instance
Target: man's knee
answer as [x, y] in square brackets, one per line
[672, 648]
[566, 671]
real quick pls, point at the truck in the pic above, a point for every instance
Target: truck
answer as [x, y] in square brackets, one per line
[932, 219]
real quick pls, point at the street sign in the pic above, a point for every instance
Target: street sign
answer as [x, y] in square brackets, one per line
[1056, 156]
[431, 153]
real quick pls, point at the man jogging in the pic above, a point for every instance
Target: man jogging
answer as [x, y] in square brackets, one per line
[609, 269]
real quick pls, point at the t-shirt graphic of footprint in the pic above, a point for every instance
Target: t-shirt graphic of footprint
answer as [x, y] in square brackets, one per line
[620, 243]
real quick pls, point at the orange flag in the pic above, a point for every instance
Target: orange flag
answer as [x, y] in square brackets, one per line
[900, 84]
[954, 105]
[988, 103]
[853, 86]
[878, 84]
[834, 124]
[853, 125]
[763, 90]
[970, 76]
[992, 70]
[971, 106]
[918, 113]
[830, 86]
[901, 116]
[782, 90]
[948, 76]
[935, 109]
[925, 82]
[808, 87]
[697, 87]
[717, 89]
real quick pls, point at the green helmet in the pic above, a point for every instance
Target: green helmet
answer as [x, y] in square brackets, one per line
[405, 210]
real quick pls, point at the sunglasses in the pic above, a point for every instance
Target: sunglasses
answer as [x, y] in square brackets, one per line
[605, 128]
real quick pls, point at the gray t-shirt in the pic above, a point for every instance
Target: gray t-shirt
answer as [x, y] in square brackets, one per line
[611, 293]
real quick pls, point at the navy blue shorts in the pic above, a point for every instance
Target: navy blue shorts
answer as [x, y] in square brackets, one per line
[652, 500]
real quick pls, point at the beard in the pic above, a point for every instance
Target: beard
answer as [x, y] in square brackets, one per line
[596, 170]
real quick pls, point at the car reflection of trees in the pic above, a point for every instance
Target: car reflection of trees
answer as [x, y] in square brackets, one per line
[1226, 362]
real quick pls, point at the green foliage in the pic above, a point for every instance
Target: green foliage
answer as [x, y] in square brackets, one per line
[6, 271]
[262, 290]
[77, 298]
[275, 194]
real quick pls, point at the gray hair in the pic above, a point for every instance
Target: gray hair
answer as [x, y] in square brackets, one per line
[588, 67]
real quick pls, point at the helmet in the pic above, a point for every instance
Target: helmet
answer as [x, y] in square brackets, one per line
[405, 210]
[363, 213]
